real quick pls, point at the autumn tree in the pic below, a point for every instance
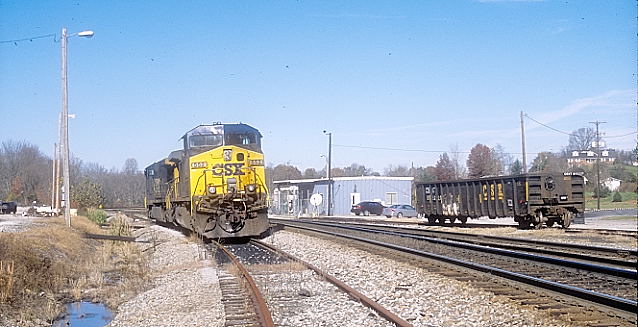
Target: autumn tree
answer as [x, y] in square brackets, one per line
[444, 169]
[482, 162]
[310, 173]
[425, 174]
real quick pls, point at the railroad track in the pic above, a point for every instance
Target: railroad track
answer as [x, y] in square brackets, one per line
[243, 302]
[615, 257]
[607, 291]
[272, 270]
[382, 221]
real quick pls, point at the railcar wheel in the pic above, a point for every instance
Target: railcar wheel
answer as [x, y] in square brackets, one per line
[432, 220]
[550, 223]
[567, 219]
[452, 220]
[463, 220]
[441, 220]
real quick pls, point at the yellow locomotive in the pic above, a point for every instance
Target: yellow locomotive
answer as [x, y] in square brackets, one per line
[214, 186]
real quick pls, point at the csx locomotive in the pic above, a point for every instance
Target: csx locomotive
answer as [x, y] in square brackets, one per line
[214, 186]
[532, 199]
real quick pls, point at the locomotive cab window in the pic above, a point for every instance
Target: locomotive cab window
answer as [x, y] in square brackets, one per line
[241, 139]
[205, 140]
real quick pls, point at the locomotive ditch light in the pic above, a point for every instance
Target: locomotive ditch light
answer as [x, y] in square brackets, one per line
[563, 197]
[251, 188]
[212, 189]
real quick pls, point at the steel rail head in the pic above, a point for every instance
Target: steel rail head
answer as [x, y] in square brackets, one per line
[383, 312]
[263, 313]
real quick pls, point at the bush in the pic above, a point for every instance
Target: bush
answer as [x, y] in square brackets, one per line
[617, 197]
[604, 192]
[96, 215]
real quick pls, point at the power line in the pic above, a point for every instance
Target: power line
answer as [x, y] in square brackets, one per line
[411, 150]
[552, 128]
[31, 39]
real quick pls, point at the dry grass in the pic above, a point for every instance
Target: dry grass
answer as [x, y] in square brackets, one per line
[51, 265]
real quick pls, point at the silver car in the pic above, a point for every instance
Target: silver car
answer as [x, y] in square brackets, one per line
[400, 211]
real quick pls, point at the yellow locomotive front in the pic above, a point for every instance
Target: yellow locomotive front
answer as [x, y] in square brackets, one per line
[216, 184]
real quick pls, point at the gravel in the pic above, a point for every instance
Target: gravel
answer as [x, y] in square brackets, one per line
[302, 298]
[416, 295]
[186, 290]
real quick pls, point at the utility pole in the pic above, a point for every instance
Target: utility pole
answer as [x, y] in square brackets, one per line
[329, 168]
[597, 162]
[53, 164]
[65, 133]
[523, 142]
[65, 124]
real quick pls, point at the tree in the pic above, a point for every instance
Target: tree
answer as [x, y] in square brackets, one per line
[398, 171]
[285, 172]
[130, 166]
[357, 170]
[548, 162]
[481, 162]
[426, 174]
[444, 169]
[516, 167]
[310, 173]
[581, 139]
[87, 194]
[503, 158]
[455, 158]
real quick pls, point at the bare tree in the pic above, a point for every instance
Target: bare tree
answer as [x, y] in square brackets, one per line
[445, 169]
[455, 158]
[548, 162]
[581, 139]
[397, 171]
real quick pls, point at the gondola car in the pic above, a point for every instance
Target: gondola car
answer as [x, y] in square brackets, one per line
[215, 185]
[532, 199]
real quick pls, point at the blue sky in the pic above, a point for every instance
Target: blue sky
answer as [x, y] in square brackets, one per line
[423, 75]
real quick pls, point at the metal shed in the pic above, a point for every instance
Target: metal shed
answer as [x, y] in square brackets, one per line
[292, 197]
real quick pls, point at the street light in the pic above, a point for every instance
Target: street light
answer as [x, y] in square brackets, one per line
[65, 124]
[329, 164]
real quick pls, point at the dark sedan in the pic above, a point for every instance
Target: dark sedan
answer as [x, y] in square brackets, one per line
[367, 207]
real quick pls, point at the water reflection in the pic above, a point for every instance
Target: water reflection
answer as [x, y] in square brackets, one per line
[85, 314]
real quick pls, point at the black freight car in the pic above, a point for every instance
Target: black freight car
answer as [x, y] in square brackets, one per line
[532, 199]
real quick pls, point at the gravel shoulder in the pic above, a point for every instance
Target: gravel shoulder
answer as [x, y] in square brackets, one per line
[185, 289]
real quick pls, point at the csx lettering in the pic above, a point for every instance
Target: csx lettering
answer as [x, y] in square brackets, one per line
[228, 169]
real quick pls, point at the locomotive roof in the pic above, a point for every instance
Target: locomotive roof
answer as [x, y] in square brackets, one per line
[219, 128]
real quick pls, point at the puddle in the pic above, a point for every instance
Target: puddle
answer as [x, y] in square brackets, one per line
[85, 314]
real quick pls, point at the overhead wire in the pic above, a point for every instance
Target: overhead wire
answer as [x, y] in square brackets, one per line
[15, 41]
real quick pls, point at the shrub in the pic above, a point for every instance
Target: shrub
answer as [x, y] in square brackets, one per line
[617, 197]
[96, 215]
[604, 192]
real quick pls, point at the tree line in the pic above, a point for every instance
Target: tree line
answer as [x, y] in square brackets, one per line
[26, 175]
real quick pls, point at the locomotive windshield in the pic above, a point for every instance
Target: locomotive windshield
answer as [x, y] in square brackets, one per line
[241, 139]
[205, 140]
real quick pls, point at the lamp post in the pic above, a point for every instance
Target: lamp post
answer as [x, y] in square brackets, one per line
[329, 168]
[65, 124]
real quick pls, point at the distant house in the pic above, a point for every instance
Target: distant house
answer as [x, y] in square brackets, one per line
[586, 157]
[612, 183]
[293, 197]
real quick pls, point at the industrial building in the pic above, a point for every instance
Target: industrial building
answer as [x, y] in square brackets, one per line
[293, 197]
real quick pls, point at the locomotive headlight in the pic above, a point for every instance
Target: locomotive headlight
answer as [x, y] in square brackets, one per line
[228, 154]
[251, 188]
[212, 189]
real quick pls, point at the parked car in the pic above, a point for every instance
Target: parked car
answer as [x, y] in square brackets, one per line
[8, 207]
[400, 211]
[367, 207]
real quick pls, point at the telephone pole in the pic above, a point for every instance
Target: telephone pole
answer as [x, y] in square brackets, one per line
[523, 142]
[329, 167]
[597, 162]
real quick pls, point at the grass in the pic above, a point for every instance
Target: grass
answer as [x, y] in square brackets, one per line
[629, 201]
[49, 265]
